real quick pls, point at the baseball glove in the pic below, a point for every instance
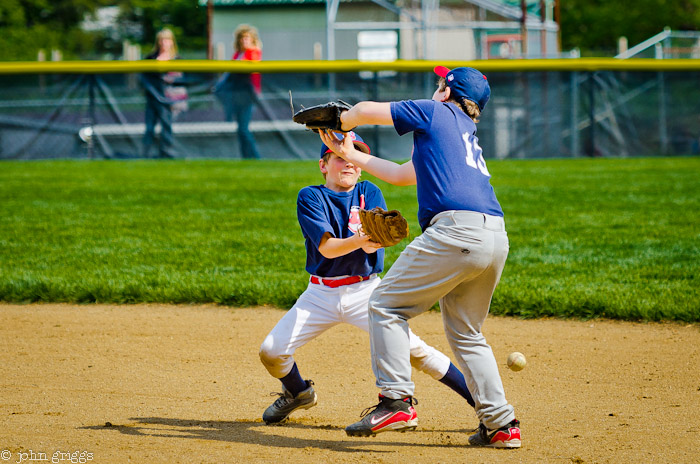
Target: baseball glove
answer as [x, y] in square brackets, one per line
[385, 227]
[325, 116]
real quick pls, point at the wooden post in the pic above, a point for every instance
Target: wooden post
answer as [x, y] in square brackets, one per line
[210, 14]
[557, 19]
[543, 32]
[523, 27]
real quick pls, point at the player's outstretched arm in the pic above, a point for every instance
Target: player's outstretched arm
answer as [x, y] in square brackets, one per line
[331, 247]
[388, 171]
[367, 112]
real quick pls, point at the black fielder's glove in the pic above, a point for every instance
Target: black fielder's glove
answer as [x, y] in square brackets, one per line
[325, 116]
[385, 227]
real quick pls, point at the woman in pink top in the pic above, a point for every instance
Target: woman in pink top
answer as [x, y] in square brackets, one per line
[238, 92]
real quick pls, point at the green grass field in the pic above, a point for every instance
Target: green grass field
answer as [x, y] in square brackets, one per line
[615, 238]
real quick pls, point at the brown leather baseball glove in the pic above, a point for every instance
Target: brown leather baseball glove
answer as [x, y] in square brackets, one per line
[385, 227]
[325, 116]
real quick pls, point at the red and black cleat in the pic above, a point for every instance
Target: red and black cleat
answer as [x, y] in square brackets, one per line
[505, 437]
[397, 415]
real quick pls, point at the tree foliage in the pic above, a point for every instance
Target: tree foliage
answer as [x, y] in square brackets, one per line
[186, 18]
[31, 25]
[595, 26]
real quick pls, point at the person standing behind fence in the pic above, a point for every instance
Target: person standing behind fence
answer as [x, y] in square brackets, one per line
[238, 92]
[158, 105]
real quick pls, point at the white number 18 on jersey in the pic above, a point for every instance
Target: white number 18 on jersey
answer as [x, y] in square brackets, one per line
[475, 157]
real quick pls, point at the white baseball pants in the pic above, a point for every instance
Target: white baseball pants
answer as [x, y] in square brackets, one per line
[318, 309]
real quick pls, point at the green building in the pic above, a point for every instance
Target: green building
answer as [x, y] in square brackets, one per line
[382, 29]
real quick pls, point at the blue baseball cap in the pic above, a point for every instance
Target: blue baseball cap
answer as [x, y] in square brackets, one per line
[466, 83]
[356, 140]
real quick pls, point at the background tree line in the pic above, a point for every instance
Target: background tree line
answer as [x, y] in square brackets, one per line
[31, 25]
[593, 26]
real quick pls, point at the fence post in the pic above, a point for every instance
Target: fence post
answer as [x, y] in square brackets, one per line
[663, 130]
[574, 114]
[91, 115]
[375, 97]
[590, 149]
[41, 56]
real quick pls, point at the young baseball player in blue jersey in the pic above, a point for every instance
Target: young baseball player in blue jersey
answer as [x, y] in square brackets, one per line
[457, 260]
[343, 264]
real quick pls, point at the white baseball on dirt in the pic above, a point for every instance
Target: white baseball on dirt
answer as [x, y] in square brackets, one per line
[516, 361]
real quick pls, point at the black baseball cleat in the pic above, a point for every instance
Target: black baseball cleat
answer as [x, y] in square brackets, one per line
[287, 403]
[396, 415]
[505, 437]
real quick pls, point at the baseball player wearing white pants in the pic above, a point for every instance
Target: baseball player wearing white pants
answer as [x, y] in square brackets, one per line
[343, 264]
[457, 260]
[321, 307]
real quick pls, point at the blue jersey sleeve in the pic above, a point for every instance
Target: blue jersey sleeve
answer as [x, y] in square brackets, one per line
[313, 215]
[412, 115]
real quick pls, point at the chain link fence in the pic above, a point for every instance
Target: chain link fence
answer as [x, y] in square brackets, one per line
[531, 114]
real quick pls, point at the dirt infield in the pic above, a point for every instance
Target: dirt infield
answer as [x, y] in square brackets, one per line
[152, 383]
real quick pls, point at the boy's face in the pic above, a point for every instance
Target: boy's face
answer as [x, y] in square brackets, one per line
[341, 175]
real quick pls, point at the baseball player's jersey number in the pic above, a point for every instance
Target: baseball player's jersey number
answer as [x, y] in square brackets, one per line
[475, 157]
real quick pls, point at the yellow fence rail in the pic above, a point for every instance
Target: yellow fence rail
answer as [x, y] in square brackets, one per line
[339, 66]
